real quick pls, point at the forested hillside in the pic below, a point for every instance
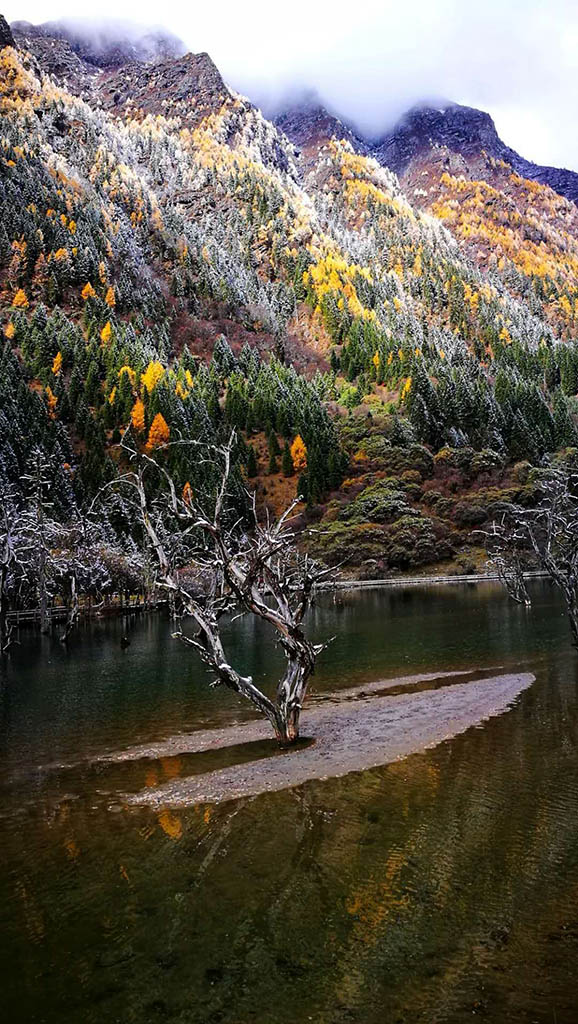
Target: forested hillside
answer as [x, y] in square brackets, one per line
[172, 266]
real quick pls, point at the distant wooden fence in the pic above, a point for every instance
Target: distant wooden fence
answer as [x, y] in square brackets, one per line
[58, 613]
[405, 581]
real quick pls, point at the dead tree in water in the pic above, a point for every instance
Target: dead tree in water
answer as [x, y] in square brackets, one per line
[213, 563]
[548, 534]
[16, 557]
[506, 545]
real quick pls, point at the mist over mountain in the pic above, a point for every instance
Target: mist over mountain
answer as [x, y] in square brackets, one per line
[106, 42]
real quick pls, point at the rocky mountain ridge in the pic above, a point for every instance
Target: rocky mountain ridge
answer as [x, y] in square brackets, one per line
[421, 131]
[119, 65]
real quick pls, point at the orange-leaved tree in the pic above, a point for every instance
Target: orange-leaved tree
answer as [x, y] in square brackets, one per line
[137, 415]
[152, 375]
[159, 432]
[299, 453]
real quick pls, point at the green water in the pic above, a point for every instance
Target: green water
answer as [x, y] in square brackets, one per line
[439, 889]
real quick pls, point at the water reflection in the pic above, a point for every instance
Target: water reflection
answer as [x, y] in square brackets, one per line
[436, 889]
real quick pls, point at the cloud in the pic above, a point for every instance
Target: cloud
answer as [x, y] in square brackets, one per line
[373, 59]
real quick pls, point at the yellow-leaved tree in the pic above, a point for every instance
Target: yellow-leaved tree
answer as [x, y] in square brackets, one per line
[110, 298]
[88, 292]
[159, 432]
[106, 333]
[153, 373]
[51, 399]
[299, 453]
[57, 364]
[20, 301]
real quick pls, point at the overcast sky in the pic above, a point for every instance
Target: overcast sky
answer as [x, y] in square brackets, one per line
[370, 60]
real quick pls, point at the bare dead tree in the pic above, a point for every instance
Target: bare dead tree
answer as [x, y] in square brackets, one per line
[16, 551]
[80, 563]
[548, 534]
[214, 564]
[41, 525]
[506, 545]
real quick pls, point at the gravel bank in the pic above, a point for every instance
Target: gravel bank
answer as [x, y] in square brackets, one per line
[356, 730]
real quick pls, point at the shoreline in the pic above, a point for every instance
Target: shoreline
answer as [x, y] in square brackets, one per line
[31, 616]
[365, 728]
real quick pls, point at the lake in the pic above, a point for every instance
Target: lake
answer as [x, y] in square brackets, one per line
[440, 888]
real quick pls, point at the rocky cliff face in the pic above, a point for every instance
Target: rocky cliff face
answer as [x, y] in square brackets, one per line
[6, 37]
[79, 58]
[190, 87]
[461, 129]
[310, 126]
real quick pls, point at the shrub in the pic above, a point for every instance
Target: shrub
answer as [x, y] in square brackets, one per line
[381, 502]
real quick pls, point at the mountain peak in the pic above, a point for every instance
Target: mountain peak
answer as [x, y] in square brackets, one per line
[190, 87]
[461, 129]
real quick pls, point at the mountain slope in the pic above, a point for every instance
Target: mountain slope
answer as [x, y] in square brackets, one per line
[452, 164]
[175, 257]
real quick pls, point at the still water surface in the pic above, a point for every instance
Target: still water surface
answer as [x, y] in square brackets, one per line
[438, 889]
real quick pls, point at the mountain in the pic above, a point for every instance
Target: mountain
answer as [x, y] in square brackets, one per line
[464, 131]
[173, 264]
[451, 163]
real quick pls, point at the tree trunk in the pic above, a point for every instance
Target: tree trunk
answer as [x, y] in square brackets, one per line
[286, 726]
[42, 595]
[5, 629]
[291, 695]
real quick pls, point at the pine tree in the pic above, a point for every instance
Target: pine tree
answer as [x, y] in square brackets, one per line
[251, 462]
[287, 463]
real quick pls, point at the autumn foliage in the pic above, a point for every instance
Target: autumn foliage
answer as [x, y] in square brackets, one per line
[137, 415]
[299, 454]
[106, 333]
[152, 375]
[159, 432]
